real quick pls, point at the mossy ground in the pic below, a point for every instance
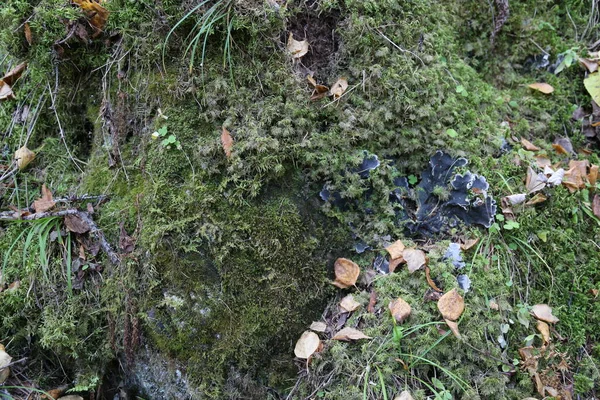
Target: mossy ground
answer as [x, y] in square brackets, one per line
[232, 254]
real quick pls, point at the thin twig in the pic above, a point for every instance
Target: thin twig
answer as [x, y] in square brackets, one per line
[398, 47]
[13, 363]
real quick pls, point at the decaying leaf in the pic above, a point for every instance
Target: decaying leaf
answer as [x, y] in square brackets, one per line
[543, 312]
[596, 205]
[415, 259]
[592, 177]
[11, 76]
[319, 91]
[514, 199]
[430, 281]
[451, 305]
[318, 326]
[27, 31]
[75, 223]
[542, 87]
[338, 88]
[348, 303]
[405, 395]
[400, 309]
[530, 361]
[469, 243]
[346, 273]
[226, 142]
[394, 264]
[543, 162]
[544, 330]
[95, 13]
[348, 334]
[538, 198]
[5, 359]
[395, 249]
[453, 325]
[528, 145]
[55, 393]
[576, 176]
[297, 49]
[307, 345]
[45, 202]
[590, 65]
[592, 84]
[24, 156]
[6, 92]
[535, 182]
[372, 302]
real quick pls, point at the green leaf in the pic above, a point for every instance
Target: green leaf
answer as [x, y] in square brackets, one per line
[162, 131]
[592, 85]
[513, 104]
[437, 383]
[452, 133]
[523, 317]
[412, 179]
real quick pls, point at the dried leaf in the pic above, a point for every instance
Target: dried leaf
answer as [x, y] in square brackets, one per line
[514, 199]
[346, 273]
[5, 359]
[543, 312]
[575, 177]
[55, 393]
[372, 302]
[126, 242]
[6, 92]
[430, 281]
[395, 249]
[400, 309]
[394, 264]
[538, 198]
[596, 205]
[534, 182]
[590, 65]
[405, 395]
[348, 334]
[453, 325]
[592, 84]
[543, 162]
[528, 145]
[75, 223]
[319, 91]
[468, 244]
[45, 202]
[297, 48]
[542, 87]
[338, 88]
[226, 142]
[415, 259]
[95, 13]
[318, 326]
[307, 345]
[451, 305]
[556, 177]
[544, 330]
[349, 304]
[24, 156]
[28, 36]
[11, 76]
[592, 177]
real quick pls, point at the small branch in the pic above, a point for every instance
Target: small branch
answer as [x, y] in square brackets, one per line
[85, 197]
[112, 256]
[13, 363]
[398, 47]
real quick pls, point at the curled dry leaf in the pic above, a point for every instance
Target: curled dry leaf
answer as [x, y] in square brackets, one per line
[469, 243]
[11, 76]
[5, 359]
[543, 312]
[338, 88]
[95, 13]
[307, 345]
[27, 31]
[400, 309]
[451, 305]
[543, 162]
[596, 205]
[346, 273]
[226, 142]
[395, 249]
[318, 326]
[75, 223]
[528, 145]
[542, 87]
[514, 199]
[535, 182]
[348, 334]
[348, 303]
[319, 91]
[453, 325]
[24, 156]
[394, 264]
[430, 281]
[593, 175]
[538, 198]
[415, 259]
[45, 202]
[590, 65]
[6, 92]
[544, 330]
[297, 49]
[405, 395]
[575, 177]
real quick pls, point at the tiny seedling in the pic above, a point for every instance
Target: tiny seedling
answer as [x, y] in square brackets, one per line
[168, 140]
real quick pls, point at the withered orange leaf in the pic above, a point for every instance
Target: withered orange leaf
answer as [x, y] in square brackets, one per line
[11, 76]
[395, 249]
[451, 305]
[528, 145]
[430, 281]
[226, 142]
[348, 334]
[576, 175]
[346, 273]
[95, 13]
[400, 309]
[395, 262]
[596, 205]
[559, 148]
[544, 330]
[592, 177]
[27, 31]
[45, 202]
[542, 87]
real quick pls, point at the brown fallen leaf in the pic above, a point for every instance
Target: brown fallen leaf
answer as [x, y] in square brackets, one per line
[415, 259]
[348, 334]
[542, 87]
[534, 182]
[395, 249]
[400, 309]
[11, 76]
[469, 243]
[430, 281]
[576, 176]
[27, 31]
[45, 202]
[544, 330]
[451, 305]
[126, 242]
[75, 223]
[394, 264]
[348, 303]
[24, 156]
[543, 312]
[453, 325]
[95, 13]
[346, 273]
[297, 49]
[592, 177]
[6, 92]
[590, 65]
[538, 198]
[372, 302]
[529, 360]
[226, 142]
[5, 359]
[307, 345]
[55, 393]
[338, 88]
[543, 162]
[596, 205]
[318, 326]
[319, 91]
[528, 145]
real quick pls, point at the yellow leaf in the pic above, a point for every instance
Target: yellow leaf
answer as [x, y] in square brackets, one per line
[348, 334]
[415, 259]
[395, 249]
[24, 156]
[400, 309]
[592, 84]
[544, 331]
[349, 304]
[297, 48]
[226, 142]
[451, 305]
[338, 88]
[346, 273]
[542, 87]
[307, 345]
